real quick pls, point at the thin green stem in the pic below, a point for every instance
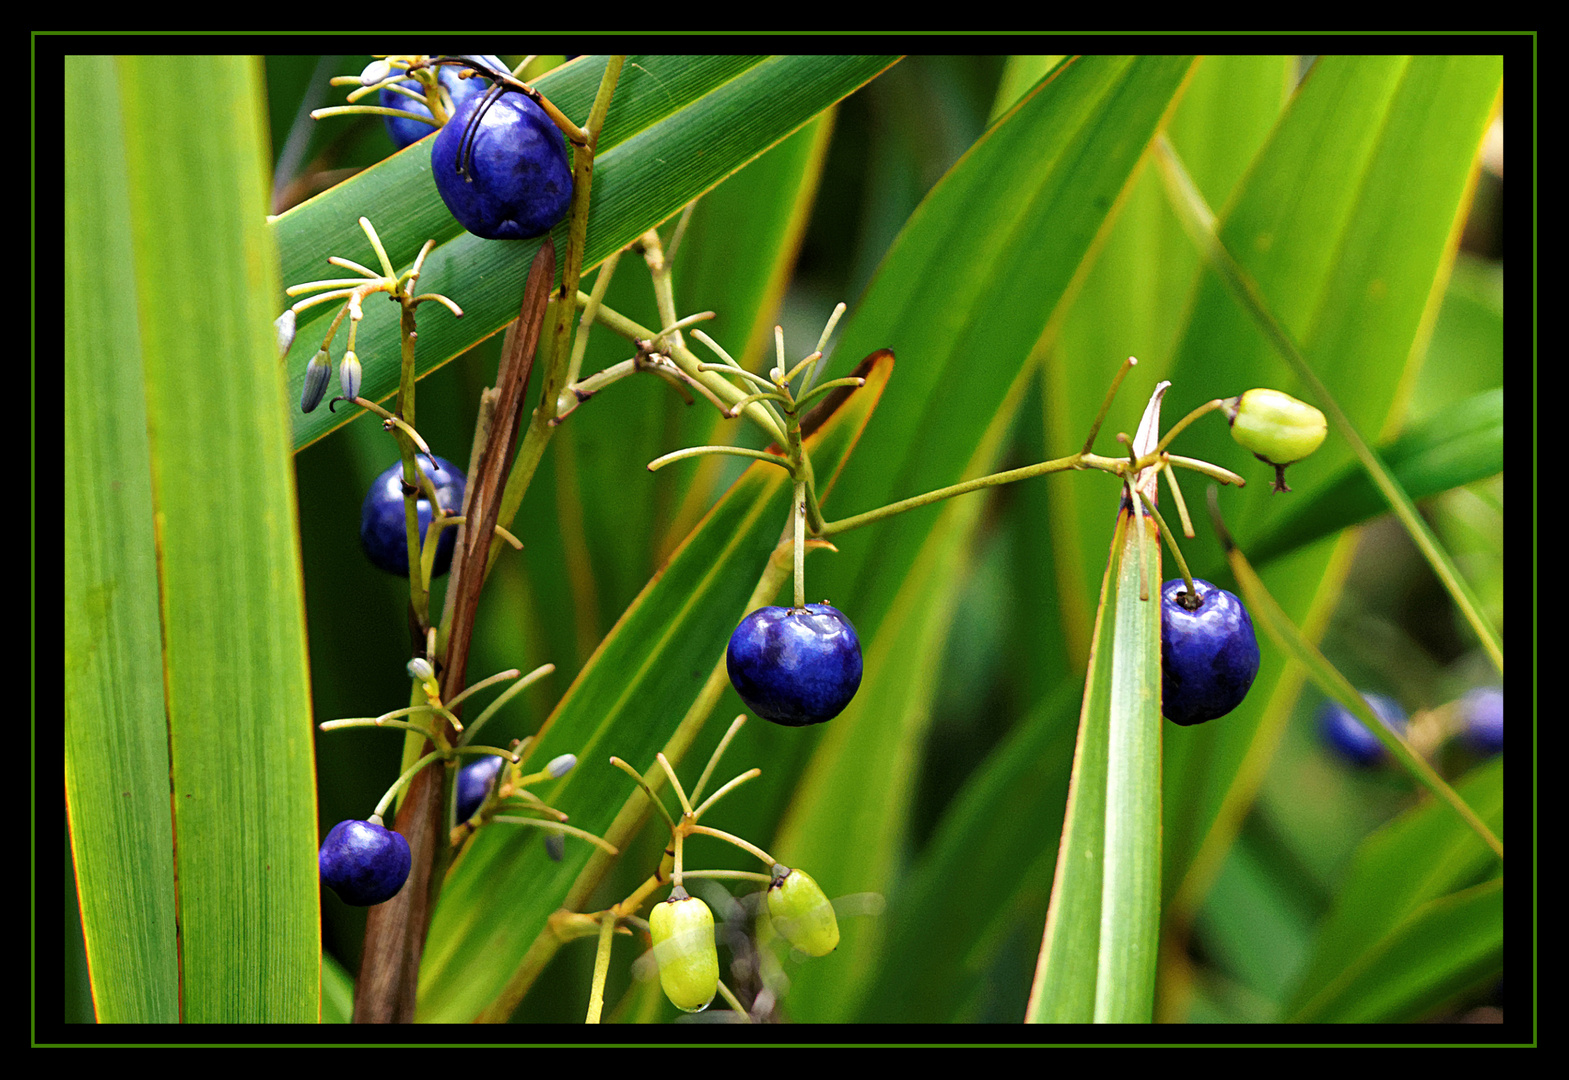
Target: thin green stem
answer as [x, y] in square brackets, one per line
[381, 252]
[798, 513]
[756, 380]
[735, 1003]
[822, 343]
[734, 451]
[501, 699]
[825, 388]
[675, 781]
[358, 268]
[681, 324]
[1105, 405]
[635, 775]
[729, 360]
[731, 412]
[556, 826]
[1138, 521]
[1073, 461]
[403, 781]
[341, 287]
[607, 270]
[1214, 472]
[805, 362]
[713, 759]
[750, 774]
[719, 834]
[1182, 506]
[1176, 429]
[1171, 543]
[732, 875]
[719, 388]
[379, 722]
[596, 994]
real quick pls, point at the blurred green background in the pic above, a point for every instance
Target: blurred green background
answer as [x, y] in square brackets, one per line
[1013, 656]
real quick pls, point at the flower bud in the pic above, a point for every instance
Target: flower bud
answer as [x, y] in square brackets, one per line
[802, 912]
[316, 374]
[1277, 428]
[560, 765]
[374, 72]
[284, 324]
[683, 932]
[349, 375]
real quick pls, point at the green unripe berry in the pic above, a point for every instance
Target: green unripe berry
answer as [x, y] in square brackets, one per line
[683, 932]
[802, 913]
[1277, 428]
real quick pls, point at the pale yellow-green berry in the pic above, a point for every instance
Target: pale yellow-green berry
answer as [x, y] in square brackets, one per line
[1277, 428]
[802, 913]
[683, 932]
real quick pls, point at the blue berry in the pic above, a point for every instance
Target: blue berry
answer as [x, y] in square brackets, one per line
[1209, 655]
[504, 174]
[1482, 712]
[795, 666]
[1348, 737]
[381, 519]
[474, 782]
[364, 863]
[405, 132]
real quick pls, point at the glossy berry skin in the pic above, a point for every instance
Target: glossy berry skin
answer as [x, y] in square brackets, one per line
[474, 783]
[407, 132]
[1209, 656]
[1483, 714]
[381, 518]
[1277, 427]
[1347, 737]
[795, 666]
[802, 912]
[682, 929]
[515, 180]
[364, 863]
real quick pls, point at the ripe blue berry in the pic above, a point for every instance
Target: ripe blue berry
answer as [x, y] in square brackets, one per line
[1346, 735]
[363, 862]
[381, 519]
[795, 666]
[504, 173]
[474, 782]
[404, 132]
[1208, 653]
[1483, 714]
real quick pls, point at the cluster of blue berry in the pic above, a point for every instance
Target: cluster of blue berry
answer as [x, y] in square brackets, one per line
[1476, 721]
[501, 166]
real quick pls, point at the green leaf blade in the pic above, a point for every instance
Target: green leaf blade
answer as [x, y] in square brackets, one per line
[1097, 958]
[116, 747]
[220, 518]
